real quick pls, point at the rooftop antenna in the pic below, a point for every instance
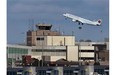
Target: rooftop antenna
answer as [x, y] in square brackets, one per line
[59, 29]
[72, 33]
[31, 24]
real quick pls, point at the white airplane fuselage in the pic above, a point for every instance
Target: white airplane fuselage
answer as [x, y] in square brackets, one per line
[82, 20]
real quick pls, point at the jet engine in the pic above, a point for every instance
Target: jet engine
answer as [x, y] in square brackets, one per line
[73, 20]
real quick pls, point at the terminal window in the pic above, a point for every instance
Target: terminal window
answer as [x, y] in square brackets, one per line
[40, 38]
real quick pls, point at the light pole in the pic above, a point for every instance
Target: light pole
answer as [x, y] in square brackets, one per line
[42, 49]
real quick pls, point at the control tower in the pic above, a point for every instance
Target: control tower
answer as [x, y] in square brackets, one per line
[41, 30]
[43, 26]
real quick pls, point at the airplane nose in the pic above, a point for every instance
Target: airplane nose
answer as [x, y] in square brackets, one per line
[64, 14]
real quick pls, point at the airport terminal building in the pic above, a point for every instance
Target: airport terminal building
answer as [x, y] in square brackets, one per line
[50, 46]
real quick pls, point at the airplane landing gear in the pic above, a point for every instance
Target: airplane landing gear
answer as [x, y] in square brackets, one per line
[82, 24]
[80, 27]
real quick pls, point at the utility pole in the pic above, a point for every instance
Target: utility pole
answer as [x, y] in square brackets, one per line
[42, 51]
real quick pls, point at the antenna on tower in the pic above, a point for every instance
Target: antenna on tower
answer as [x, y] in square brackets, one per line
[59, 29]
[31, 24]
[72, 33]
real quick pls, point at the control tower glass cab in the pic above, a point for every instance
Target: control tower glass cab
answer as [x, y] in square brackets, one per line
[43, 26]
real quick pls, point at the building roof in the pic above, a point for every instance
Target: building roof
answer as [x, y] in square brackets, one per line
[43, 26]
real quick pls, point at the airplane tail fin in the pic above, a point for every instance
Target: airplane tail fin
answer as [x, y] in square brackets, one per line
[99, 22]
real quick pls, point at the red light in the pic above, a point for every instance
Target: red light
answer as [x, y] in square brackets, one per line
[99, 21]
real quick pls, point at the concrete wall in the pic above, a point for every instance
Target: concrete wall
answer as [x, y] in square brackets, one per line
[60, 40]
[31, 38]
[87, 54]
[31, 35]
[55, 40]
[41, 42]
[72, 53]
[86, 47]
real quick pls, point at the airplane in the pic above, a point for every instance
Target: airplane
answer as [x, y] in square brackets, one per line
[82, 20]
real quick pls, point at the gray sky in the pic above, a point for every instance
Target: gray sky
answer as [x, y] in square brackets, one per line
[19, 12]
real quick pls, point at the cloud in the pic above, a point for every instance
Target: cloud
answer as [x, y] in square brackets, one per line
[40, 8]
[51, 6]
